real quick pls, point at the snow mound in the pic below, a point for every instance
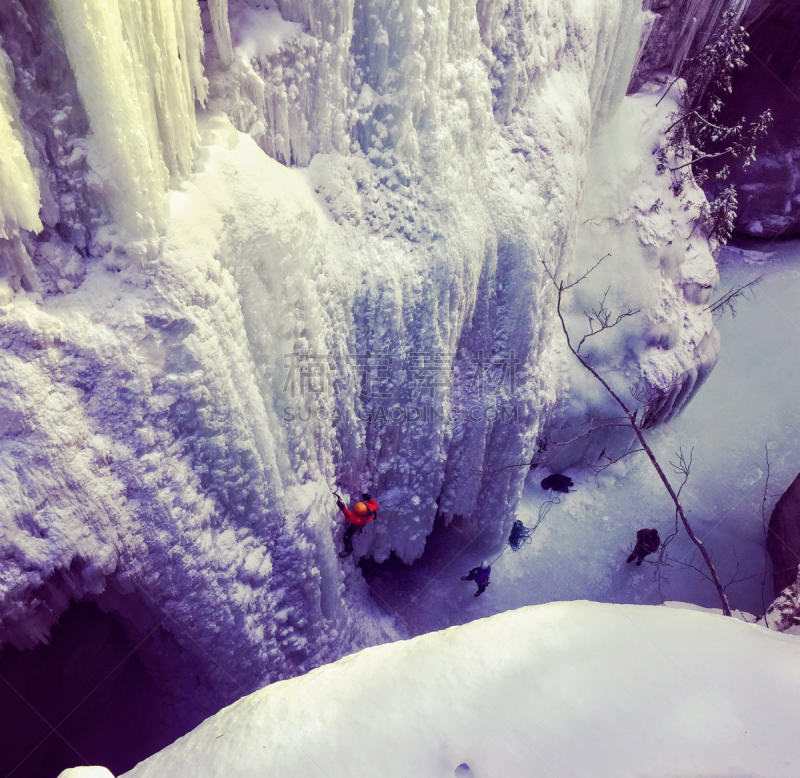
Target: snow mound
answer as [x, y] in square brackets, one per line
[573, 688]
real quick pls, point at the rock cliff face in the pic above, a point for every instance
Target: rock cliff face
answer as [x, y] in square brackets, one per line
[784, 613]
[769, 189]
[675, 30]
[783, 540]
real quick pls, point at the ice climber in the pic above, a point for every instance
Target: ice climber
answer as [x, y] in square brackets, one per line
[480, 575]
[558, 483]
[647, 542]
[362, 514]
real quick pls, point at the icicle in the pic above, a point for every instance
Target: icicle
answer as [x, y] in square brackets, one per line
[137, 66]
[19, 189]
[222, 30]
[17, 266]
[193, 46]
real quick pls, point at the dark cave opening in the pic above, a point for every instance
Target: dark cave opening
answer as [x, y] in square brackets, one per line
[451, 549]
[86, 698]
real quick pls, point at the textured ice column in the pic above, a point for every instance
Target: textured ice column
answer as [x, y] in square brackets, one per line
[222, 30]
[468, 133]
[19, 189]
[191, 46]
[139, 93]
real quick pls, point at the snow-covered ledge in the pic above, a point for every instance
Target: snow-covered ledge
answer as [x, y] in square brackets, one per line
[567, 688]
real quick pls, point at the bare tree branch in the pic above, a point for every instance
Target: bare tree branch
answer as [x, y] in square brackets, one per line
[597, 469]
[544, 445]
[727, 299]
[575, 283]
[602, 315]
[560, 288]
[765, 527]
[734, 579]
[675, 80]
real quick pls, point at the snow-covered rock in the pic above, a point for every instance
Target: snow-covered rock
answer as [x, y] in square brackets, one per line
[784, 613]
[768, 189]
[783, 538]
[577, 688]
[92, 771]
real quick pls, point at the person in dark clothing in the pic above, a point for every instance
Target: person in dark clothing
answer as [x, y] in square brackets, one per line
[480, 575]
[558, 483]
[647, 542]
[362, 514]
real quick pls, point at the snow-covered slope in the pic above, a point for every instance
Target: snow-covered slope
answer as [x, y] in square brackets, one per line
[567, 689]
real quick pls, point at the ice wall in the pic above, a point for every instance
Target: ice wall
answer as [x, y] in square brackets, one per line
[372, 315]
[19, 186]
[449, 148]
[19, 189]
[653, 262]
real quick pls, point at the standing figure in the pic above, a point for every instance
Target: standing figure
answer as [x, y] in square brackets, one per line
[361, 515]
[480, 575]
[647, 542]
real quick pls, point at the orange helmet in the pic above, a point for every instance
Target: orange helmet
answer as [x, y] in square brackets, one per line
[360, 509]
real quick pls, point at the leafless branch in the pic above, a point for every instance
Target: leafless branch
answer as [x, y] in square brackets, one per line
[675, 80]
[560, 288]
[697, 116]
[602, 315]
[544, 445]
[575, 283]
[734, 579]
[728, 299]
[683, 467]
[694, 160]
[609, 461]
[765, 527]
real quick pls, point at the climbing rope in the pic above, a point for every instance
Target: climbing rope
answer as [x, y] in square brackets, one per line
[520, 534]
[544, 509]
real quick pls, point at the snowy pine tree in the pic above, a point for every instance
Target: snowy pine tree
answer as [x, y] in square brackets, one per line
[698, 134]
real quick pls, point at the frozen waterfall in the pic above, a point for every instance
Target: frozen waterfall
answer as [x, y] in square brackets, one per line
[309, 261]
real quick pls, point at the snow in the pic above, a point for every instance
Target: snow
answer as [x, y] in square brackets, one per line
[170, 431]
[192, 501]
[658, 264]
[565, 689]
[262, 32]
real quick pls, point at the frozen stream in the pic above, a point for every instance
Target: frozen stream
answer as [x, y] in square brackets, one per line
[749, 402]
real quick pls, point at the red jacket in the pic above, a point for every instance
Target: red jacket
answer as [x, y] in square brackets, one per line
[360, 521]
